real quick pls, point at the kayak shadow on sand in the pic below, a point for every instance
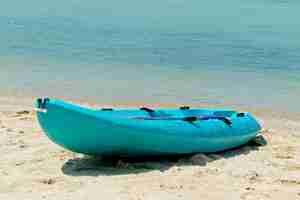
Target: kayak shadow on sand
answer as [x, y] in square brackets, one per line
[110, 166]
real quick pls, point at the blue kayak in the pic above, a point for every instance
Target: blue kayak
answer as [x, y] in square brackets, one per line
[144, 131]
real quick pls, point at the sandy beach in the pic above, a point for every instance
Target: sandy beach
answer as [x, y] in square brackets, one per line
[32, 167]
[239, 55]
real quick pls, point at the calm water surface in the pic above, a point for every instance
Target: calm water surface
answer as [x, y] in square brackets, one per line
[237, 53]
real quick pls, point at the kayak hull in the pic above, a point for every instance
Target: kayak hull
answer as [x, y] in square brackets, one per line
[120, 133]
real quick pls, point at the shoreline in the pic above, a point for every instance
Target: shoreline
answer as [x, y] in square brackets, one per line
[35, 168]
[21, 103]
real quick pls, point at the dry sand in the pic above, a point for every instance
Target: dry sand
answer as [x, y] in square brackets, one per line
[32, 167]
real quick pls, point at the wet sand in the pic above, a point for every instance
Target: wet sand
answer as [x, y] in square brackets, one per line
[32, 167]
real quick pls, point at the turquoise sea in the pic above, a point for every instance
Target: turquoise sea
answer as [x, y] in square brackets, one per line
[188, 52]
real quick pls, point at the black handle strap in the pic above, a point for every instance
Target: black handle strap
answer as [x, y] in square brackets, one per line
[107, 109]
[184, 108]
[193, 119]
[42, 102]
[240, 115]
[190, 119]
[224, 119]
[148, 110]
[39, 101]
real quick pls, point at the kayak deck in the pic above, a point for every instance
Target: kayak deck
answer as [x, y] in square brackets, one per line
[144, 132]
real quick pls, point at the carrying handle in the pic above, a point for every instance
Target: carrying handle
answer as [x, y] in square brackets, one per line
[41, 105]
[193, 119]
[184, 108]
[148, 110]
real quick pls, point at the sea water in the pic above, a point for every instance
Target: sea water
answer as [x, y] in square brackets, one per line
[235, 52]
